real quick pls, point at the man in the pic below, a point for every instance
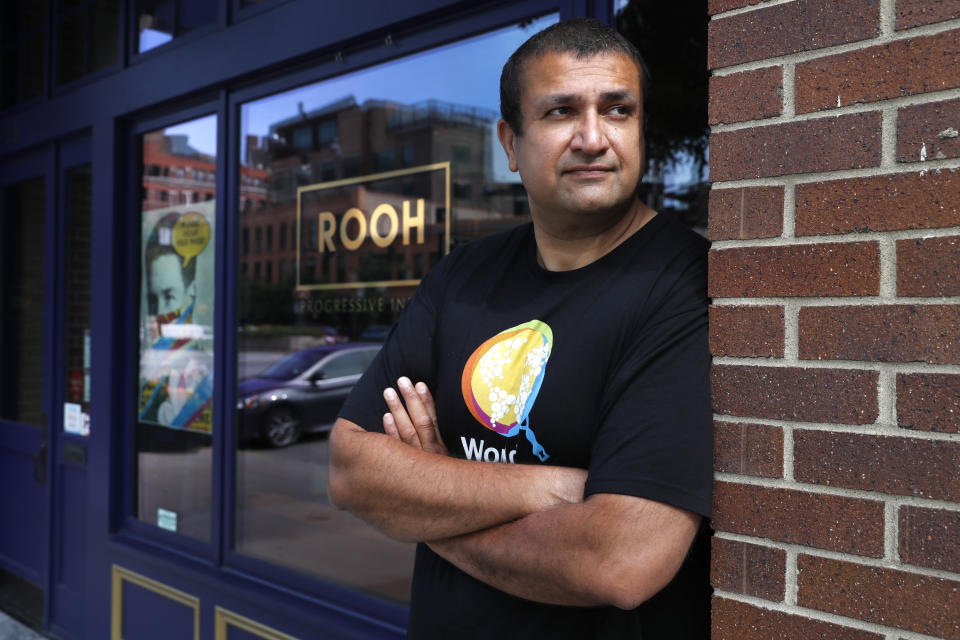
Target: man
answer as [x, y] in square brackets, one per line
[573, 352]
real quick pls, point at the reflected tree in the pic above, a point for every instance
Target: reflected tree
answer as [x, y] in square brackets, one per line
[672, 37]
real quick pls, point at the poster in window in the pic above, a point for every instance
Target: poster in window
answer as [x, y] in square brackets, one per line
[176, 317]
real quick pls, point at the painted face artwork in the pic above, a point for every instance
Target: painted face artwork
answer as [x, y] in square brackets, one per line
[502, 378]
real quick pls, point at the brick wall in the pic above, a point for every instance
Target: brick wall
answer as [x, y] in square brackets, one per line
[835, 326]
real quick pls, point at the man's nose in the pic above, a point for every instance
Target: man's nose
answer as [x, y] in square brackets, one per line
[589, 137]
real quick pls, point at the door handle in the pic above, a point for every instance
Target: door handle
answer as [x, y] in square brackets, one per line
[40, 463]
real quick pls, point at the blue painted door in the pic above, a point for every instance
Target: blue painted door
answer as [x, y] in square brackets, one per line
[26, 207]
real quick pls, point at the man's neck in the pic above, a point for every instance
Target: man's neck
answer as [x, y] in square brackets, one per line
[576, 246]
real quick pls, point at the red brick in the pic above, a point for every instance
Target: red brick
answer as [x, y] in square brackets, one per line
[835, 269]
[845, 396]
[746, 331]
[928, 267]
[929, 401]
[732, 620]
[835, 523]
[881, 333]
[888, 464]
[719, 6]
[752, 449]
[750, 569]
[801, 25]
[929, 129]
[883, 596]
[899, 68]
[879, 203]
[913, 13]
[750, 95]
[746, 213]
[928, 538]
[825, 144]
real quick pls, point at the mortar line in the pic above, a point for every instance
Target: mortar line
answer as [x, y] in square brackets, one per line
[894, 102]
[933, 166]
[854, 494]
[888, 269]
[891, 535]
[798, 57]
[823, 616]
[888, 19]
[871, 430]
[839, 238]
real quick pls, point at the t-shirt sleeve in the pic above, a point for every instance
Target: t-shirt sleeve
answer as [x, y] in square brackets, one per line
[655, 438]
[407, 351]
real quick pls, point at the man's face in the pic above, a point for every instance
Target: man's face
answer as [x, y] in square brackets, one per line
[582, 145]
[166, 284]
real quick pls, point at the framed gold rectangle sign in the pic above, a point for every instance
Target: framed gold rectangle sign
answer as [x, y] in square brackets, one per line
[362, 232]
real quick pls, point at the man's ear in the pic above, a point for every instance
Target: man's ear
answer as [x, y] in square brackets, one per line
[507, 140]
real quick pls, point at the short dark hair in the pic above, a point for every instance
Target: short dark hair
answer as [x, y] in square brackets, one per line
[583, 37]
[157, 248]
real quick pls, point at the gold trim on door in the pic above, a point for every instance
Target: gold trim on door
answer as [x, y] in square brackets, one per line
[225, 617]
[120, 574]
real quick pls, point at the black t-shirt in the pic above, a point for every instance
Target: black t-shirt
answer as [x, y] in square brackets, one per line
[603, 368]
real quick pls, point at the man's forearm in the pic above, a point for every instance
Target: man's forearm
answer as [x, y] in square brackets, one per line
[413, 495]
[611, 550]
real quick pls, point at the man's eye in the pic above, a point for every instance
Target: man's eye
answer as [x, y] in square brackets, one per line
[559, 111]
[620, 110]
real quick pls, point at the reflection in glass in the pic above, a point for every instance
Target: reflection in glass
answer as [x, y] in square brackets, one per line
[87, 35]
[175, 392]
[77, 333]
[22, 259]
[22, 51]
[160, 21]
[375, 176]
[675, 105]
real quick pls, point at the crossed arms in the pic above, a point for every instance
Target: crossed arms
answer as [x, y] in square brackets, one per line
[523, 529]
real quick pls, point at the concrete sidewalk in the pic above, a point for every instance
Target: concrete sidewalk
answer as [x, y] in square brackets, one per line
[10, 629]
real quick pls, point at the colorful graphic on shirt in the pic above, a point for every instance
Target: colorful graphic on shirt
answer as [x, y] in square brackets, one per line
[502, 378]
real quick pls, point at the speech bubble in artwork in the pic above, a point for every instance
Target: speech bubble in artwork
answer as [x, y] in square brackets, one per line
[502, 378]
[191, 235]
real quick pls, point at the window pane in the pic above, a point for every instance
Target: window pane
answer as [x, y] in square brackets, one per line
[155, 20]
[32, 67]
[22, 259]
[675, 105]
[358, 246]
[173, 432]
[106, 31]
[72, 45]
[195, 13]
[77, 356]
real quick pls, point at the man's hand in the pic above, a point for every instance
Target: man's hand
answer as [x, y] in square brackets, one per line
[417, 424]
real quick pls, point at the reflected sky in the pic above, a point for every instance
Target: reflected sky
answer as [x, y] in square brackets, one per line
[466, 72]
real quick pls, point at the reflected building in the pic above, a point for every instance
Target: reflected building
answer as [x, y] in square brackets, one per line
[348, 156]
[174, 173]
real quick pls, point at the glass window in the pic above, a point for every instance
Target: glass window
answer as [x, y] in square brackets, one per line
[22, 51]
[302, 137]
[77, 333]
[87, 35]
[363, 243]
[175, 401]
[327, 132]
[675, 105]
[22, 259]
[160, 21]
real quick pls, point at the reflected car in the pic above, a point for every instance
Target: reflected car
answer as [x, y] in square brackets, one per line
[300, 393]
[377, 332]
